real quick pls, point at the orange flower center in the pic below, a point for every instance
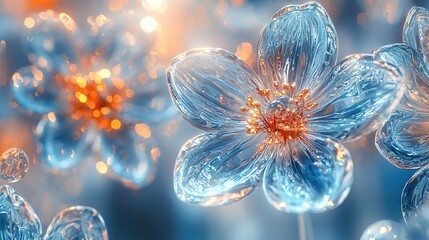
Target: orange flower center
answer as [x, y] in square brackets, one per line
[286, 116]
[95, 96]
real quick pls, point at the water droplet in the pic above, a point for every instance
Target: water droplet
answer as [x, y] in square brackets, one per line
[17, 218]
[385, 230]
[13, 165]
[78, 222]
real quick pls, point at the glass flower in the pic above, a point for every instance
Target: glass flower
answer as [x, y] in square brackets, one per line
[385, 230]
[98, 88]
[280, 128]
[404, 137]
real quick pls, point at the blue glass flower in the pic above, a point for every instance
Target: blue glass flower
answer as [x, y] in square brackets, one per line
[282, 128]
[404, 137]
[98, 88]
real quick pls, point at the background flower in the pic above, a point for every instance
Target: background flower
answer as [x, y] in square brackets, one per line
[98, 88]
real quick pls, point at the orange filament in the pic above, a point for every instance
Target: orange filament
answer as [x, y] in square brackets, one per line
[93, 98]
[283, 122]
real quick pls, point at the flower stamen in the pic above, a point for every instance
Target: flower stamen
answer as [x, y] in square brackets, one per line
[286, 116]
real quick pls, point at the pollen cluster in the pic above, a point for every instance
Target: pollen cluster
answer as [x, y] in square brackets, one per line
[285, 117]
[95, 96]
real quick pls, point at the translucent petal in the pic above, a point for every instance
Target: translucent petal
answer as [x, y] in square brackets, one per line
[298, 45]
[13, 164]
[210, 85]
[83, 223]
[150, 102]
[416, 75]
[313, 175]
[53, 40]
[122, 40]
[385, 230]
[415, 201]
[63, 142]
[218, 168]
[131, 158]
[404, 138]
[416, 30]
[356, 97]
[18, 221]
[36, 90]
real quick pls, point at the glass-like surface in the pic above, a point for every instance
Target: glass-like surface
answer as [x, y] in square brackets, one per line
[314, 175]
[385, 230]
[13, 164]
[78, 222]
[18, 221]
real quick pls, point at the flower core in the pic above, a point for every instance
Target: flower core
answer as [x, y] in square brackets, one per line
[284, 118]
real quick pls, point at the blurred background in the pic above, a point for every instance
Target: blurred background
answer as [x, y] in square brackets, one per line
[154, 212]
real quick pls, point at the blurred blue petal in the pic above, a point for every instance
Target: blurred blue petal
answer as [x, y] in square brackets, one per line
[63, 142]
[416, 29]
[78, 222]
[18, 221]
[120, 41]
[385, 230]
[209, 86]
[313, 175]
[358, 95]
[150, 102]
[298, 45]
[36, 90]
[53, 41]
[218, 168]
[404, 138]
[131, 158]
[415, 201]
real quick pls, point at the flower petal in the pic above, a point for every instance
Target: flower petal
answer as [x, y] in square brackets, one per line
[62, 142]
[298, 45]
[131, 158]
[357, 96]
[416, 75]
[77, 222]
[218, 168]
[404, 138]
[416, 29]
[36, 90]
[150, 102]
[415, 201]
[122, 40]
[54, 40]
[209, 86]
[314, 176]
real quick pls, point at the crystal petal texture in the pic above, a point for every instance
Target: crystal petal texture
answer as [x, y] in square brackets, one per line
[218, 168]
[53, 41]
[359, 94]
[83, 223]
[18, 221]
[13, 164]
[403, 139]
[130, 158]
[416, 29]
[312, 176]
[35, 90]
[62, 142]
[209, 86]
[385, 230]
[298, 45]
[415, 200]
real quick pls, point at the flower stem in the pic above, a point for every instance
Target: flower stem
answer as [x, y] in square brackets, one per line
[304, 226]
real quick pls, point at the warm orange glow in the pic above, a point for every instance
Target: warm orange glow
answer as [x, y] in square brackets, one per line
[115, 124]
[101, 167]
[282, 123]
[155, 153]
[143, 130]
[158, 6]
[52, 117]
[29, 22]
